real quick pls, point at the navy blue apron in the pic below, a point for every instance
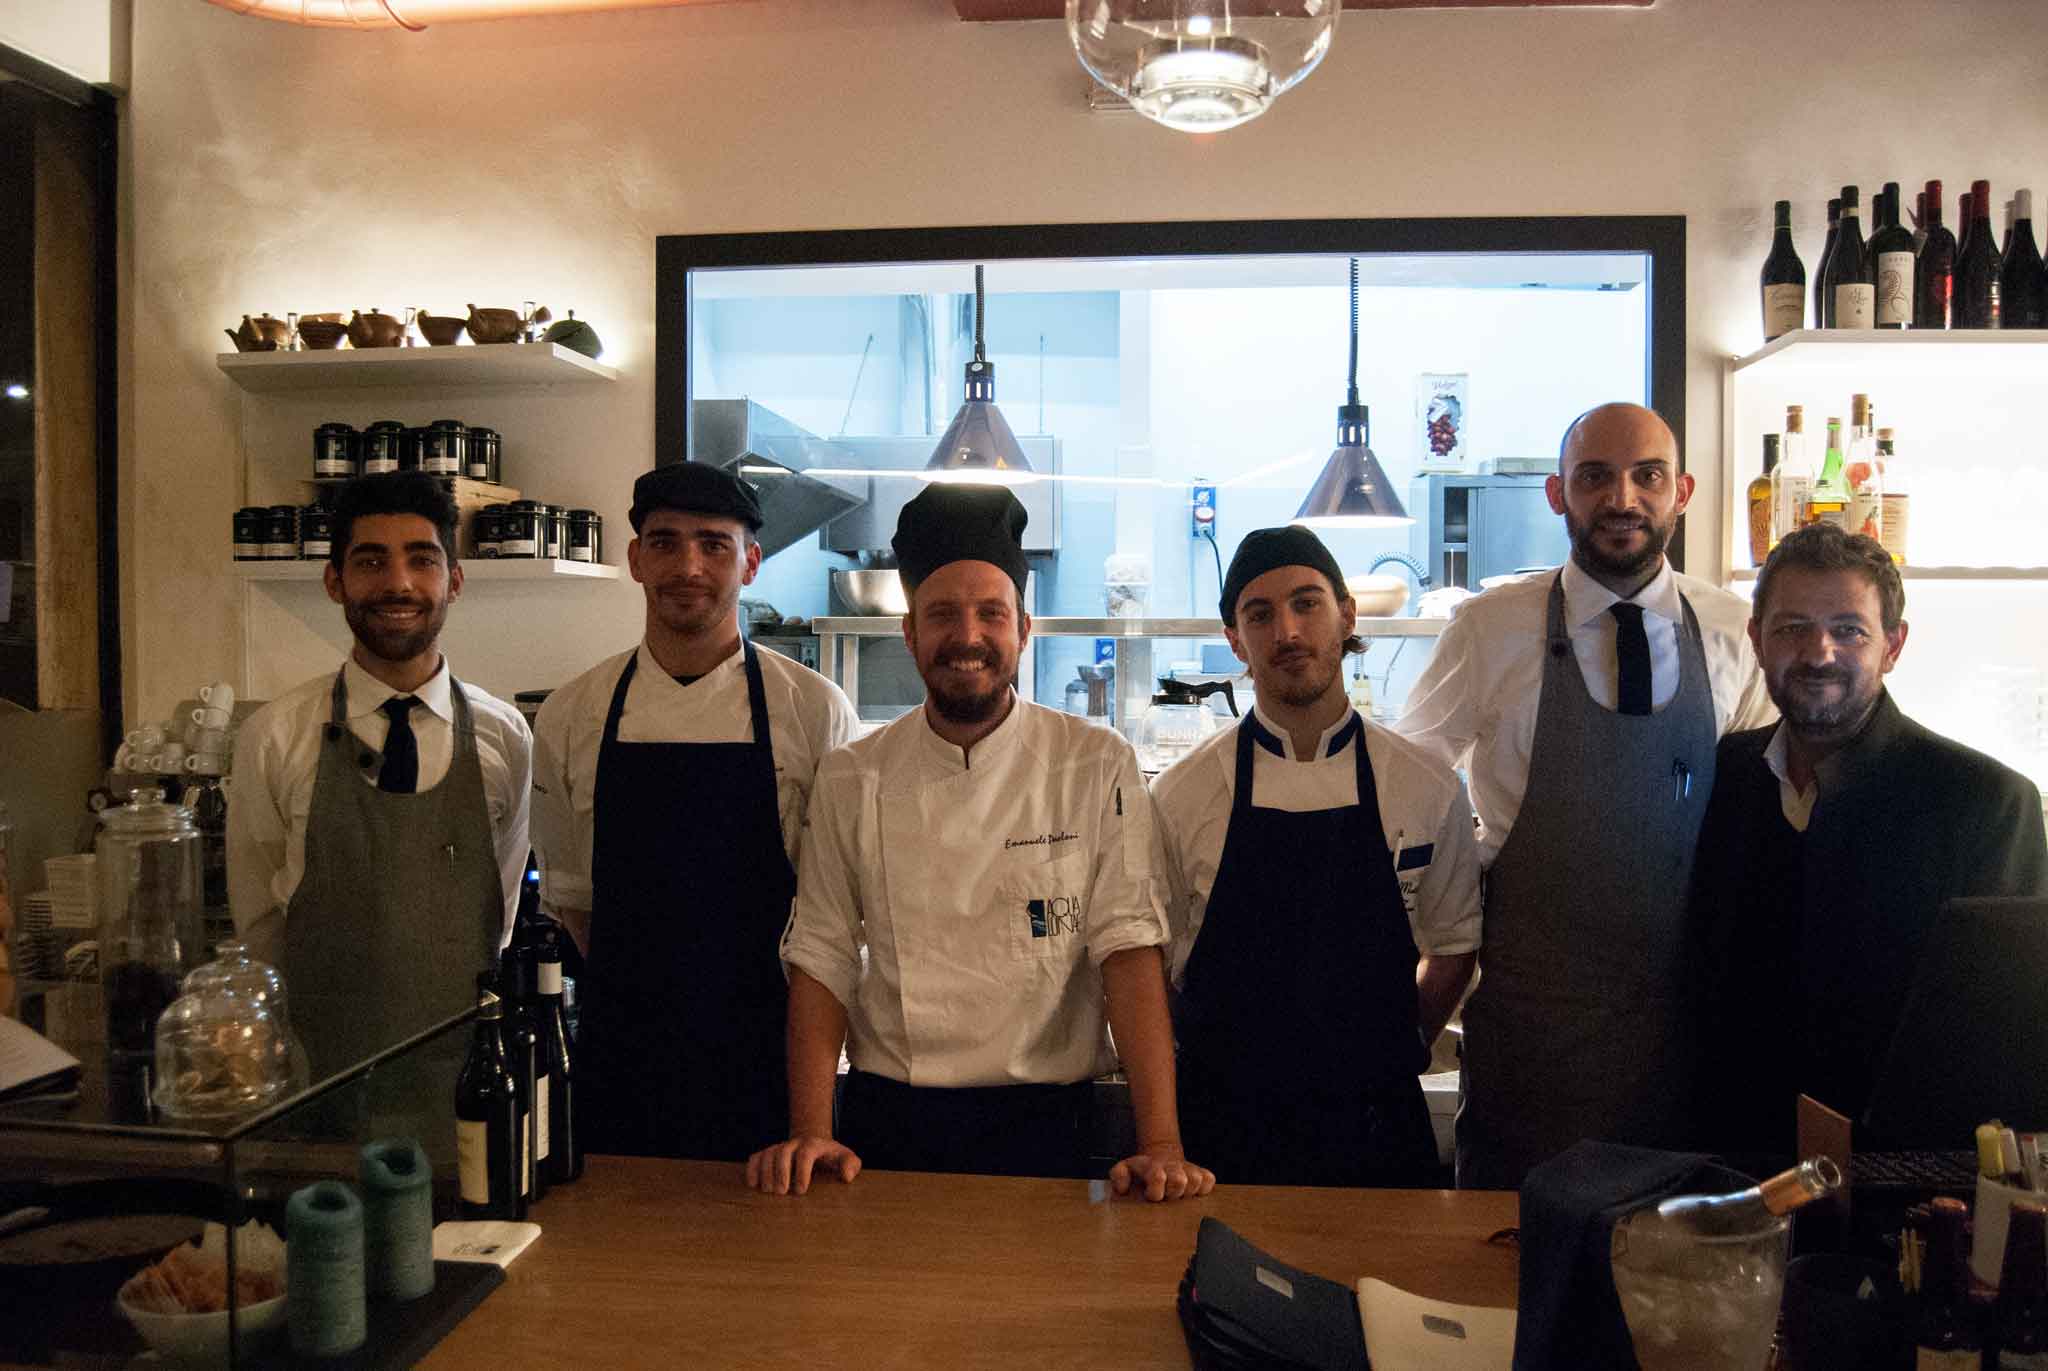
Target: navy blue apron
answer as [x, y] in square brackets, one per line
[1299, 1038]
[683, 999]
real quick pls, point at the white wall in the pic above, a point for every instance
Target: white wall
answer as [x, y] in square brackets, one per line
[279, 168]
[86, 38]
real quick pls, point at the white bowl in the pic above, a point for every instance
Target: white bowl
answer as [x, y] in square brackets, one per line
[202, 1339]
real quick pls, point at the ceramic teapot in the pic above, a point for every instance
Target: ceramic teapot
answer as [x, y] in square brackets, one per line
[494, 325]
[261, 334]
[374, 330]
[440, 330]
[575, 334]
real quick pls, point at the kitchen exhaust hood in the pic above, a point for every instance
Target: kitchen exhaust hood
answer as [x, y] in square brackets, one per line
[773, 455]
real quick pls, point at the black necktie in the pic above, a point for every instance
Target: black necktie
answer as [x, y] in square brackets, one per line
[401, 772]
[1632, 651]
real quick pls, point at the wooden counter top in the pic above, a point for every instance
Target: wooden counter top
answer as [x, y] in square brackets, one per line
[649, 1263]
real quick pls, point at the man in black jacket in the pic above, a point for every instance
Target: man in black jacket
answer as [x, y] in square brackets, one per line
[1831, 842]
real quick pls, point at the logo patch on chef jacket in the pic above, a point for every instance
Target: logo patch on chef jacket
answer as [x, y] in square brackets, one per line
[1054, 916]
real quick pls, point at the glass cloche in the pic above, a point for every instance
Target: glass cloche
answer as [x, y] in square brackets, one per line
[225, 1045]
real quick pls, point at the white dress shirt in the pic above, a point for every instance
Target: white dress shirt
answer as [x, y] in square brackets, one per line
[1475, 705]
[1794, 803]
[961, 908]
[277, 757]
[1423, 812]
[808, 716]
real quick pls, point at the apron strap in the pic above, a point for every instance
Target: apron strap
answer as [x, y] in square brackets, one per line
[757, 695]
[1560, 638]
[618, 705]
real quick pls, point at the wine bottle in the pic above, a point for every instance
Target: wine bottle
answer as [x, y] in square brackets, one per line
[1820, 265]
[2005, 238]
[1898, 497]
[1669, 1237]
[1784, 278]
[527, 1055]
[1890, 258]
[1863, 473]
[1975, 302]
[1919, 221]
[1792, 482]
[2019, 1321]
[565, 1144]
[1945, 1335]
[1933, 266]
[487, 1124]
[1851, 295]
[1758, 499]
[2019, 275]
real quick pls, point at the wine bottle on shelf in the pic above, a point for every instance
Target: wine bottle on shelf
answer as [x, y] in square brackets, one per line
[1919, 220]
[1890, 258]
[2005, 238]
[1820, 265]
[1851, 295]
[1830, 501]
[2019, 1321]
[1758, 501]
[1975, 301]
[565, 1146]
[2019, 275]
[487, 1124]
[1784, 278]
[1898, 498]
[1945, 1335]
[1864, 472]
[1792, 482]
[528, 1057]
[1934, 265]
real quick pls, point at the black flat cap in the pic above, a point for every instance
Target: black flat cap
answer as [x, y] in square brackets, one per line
[952, 522]
[695, 488]
[1266, 549]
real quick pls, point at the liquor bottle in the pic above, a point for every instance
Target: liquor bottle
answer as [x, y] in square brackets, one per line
[1792, 482]
[1975, 302]
[527, 1055]
[565, 1146]
[2019, 276]
[1784, 278]
[1762, 510]
[1830, 502]
[1898, 498]
[1919, 221]
[1933, 266]
[1851, 296]
[487, 1123]
[1945, 1335]
[2019, 1321]
[1820, 265]
[1863, 472]
[1890, 256]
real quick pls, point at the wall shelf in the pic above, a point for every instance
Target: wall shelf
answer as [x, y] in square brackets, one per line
[477, 365]
[476, 569]
[1942, 573]
[1942, 352]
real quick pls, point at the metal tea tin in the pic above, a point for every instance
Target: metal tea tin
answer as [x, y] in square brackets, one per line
[316, 532]
[558, 530]
[380, 445]
[483, 532]
[586, 536]
[519, 529]
[334, 451]
[444, 444]
[252, 524]
[483, 454]
[410, 445]
[281, 533]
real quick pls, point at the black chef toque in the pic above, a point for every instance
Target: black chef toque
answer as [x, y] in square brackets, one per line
[956, 522]
[1264, 550]
[695, 488]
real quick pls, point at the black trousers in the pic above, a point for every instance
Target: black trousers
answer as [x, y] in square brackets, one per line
[1006, 1130]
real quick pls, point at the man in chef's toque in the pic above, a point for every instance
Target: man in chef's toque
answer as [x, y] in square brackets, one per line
[975, 905]
[1323, 891]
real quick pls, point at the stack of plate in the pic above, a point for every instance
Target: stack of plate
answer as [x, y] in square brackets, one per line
[35, 946]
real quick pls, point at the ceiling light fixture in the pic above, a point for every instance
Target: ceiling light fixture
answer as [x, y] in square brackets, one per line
[978, 445]
[1201, 66]
[1353, 491]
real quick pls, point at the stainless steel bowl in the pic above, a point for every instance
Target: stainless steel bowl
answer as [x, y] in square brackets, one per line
[870, 592]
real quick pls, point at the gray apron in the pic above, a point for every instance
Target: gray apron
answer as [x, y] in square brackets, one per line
[400, 906]
[1575, 1030]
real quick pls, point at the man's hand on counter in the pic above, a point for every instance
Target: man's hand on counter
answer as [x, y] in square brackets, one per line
[785, 1167]
[1160, 1172]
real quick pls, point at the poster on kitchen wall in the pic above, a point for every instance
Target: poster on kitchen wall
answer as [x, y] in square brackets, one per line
[1440, 409]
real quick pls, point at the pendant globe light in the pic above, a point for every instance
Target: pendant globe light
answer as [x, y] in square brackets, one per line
[1201, 66]
[978, 445]
[1353, 491]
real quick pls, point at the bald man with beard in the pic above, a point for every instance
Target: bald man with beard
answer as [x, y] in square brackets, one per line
[1585, 706]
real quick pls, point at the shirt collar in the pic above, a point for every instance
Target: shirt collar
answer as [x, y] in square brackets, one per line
[367, 694]
[948, 758]
[1585, 599]
[1280, 743]
[658, 674]
[1776, 755]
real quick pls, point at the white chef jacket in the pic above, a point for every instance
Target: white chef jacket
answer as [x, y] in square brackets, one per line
[1423, 812]
[1475, 705]
[277, 757]
[961, 908]
[808, 716]
[1794, 803]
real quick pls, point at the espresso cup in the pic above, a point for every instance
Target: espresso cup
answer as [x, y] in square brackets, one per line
[199, 739]
[172, 756]
[210, 717]
[220, 695]
[204, 764]
[146, 739]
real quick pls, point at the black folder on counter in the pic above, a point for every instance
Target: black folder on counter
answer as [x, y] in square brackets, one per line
[1239, 1308]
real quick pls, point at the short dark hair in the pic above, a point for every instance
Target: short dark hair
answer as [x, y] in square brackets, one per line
[1826, 547]
[398, 492]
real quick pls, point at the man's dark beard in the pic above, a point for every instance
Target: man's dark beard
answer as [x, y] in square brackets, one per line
[1309, 691]
[1596, 564]
[1824, 721]
[968, 707]
[388, 645]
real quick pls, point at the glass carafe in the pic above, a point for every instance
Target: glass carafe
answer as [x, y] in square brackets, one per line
[148, 872]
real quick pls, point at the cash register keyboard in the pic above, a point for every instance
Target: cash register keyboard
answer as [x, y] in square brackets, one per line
[1931, 1170]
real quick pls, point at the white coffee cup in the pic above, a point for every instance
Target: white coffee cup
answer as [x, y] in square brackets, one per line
[172, 757]
[203, 764]
[199, 739]
[214, 717]
[220, 695]
[146, 739]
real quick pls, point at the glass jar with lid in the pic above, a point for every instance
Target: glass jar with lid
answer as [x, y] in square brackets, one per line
[225, 1045]
[147, 866]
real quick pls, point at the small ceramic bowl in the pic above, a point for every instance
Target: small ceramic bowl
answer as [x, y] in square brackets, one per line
[321, 333]
[493, 325]
[202, 1339]
[441, 330]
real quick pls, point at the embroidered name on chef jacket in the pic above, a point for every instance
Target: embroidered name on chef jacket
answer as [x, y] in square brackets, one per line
[1411, 864]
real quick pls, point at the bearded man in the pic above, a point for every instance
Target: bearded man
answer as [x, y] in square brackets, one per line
[1830, 846]
[1585, 706]
[1323, 892]
[669, 787]
[378, 831]
[976, 906]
